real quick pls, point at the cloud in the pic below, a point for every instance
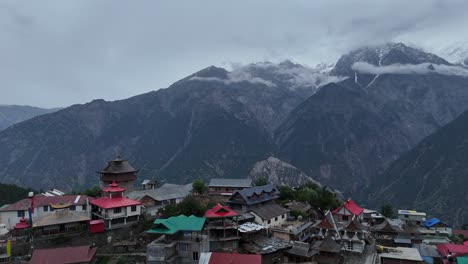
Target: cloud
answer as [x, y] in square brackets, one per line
[423, 68]
[293, 76]
[56, 53]
[236, 76]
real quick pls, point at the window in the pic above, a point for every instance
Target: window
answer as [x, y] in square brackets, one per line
[350, 245]
[117, 210]
[133, 209]
[283, 216]
[51, 209]
[84, 207]
[73, 208]
[46, 208]
[183, 247]
[20, 213]
[344, 217]
[276, 219]
[195, 255]
[269, 221]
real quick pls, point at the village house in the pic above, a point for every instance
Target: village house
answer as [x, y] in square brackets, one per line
[328, 250]
[149, 184]
[115, 209]
[293, 231]
[43, 206]
[347, 211]
[303, 207]
[154, 199]
[181, 240]
[222, 228]
[227, 187]
[249, 198]
[438, 226]
[62, 220]
[120, 172]
[69, 255]
[411, 217]
[270, 215]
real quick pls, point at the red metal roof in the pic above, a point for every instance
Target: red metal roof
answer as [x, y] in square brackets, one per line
[113, 188]
[106, 202]
[452, 249]
[80, 254]
[351, 206]
[234, 258]
[40, 200]
[220, 211]
[96, 222]
[22, 224]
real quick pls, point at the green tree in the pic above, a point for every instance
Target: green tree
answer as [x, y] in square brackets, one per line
[286, 193]
[94, 191]
[199, 187]
[260, 182]
[387, 211]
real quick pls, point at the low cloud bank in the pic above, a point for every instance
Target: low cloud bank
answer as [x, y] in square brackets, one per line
[423, 68]
[294, 76]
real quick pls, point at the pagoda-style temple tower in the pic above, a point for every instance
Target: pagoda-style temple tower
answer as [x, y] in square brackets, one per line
[120, 172]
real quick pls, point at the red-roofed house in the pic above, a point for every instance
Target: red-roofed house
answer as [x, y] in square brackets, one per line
[452, 250]
[69, 255]
[232, 258]
[115, 209]
[346, 211]
[11, 214]
[222, 228]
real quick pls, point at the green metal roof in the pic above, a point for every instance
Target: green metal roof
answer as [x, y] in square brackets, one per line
[174, 224]
[462, 260]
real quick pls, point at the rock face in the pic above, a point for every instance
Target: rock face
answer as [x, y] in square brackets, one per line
[348, 133]
[432, 176]
[278, 172]
[212, 123]
[12, 114]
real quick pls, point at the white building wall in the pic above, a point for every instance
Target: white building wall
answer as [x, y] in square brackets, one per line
[281, 220]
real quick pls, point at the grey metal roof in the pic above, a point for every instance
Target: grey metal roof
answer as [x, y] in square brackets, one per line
[165, 192]
[302, 249]
[237, 183]
[249, 197]
[269, 211]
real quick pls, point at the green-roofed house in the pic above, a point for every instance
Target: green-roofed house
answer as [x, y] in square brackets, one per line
[181, 240]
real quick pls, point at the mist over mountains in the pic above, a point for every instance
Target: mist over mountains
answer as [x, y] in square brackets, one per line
[342, 126]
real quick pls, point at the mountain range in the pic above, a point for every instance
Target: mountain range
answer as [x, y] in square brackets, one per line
[12, 114]
[342, 126]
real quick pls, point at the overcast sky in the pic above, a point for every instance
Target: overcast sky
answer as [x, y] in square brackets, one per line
[58, 53]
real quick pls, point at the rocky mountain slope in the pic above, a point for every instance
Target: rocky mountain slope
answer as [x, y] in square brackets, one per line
[212, 123]
[348, 133]
[12, 114]
[278, 172]
[433, 175]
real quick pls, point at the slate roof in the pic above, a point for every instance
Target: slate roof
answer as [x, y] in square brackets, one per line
[387, 226]
[302, 249]
[269, 211]
[256, 195]
[327, 245]
[237, 183]
[427, 250]
[163, 193]
[60, 218]
[41, 200]
[175, 224]
[79, 254]
[118, 166]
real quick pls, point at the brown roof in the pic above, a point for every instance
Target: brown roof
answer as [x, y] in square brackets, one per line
[79, 254]
[327, 245]
[118, 166]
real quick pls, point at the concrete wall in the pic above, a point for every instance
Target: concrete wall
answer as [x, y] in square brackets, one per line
[273, 222]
